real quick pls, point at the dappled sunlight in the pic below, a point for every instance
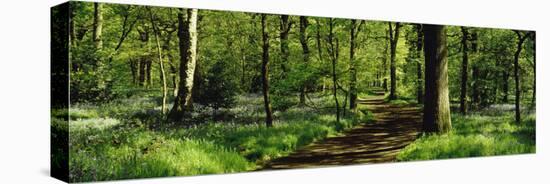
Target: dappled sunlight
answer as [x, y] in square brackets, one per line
[393, 128]
[476, 135]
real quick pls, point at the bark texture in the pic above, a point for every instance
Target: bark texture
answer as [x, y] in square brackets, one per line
[305, 53]
[187, 34]
[333, 50]
[394, 37]
[437, 116]
[284, 29]
[98, 25]
[521, 39]
[265, 73]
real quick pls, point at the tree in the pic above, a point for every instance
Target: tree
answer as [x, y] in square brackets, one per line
[98, 25]
[319, 48]
[475, 71]
[534, 41]
[305, 53]
[161, 62]
[385, 61]
[419, 82]
[265, 72]
[284, 28]
[464, 73]
[394, 37]
[521, 39]
[187, 34]
[354, 31]
[333, 50]
[437, 116]
[219, 89]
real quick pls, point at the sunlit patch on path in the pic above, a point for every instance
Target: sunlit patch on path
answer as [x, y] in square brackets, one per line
[395, 127]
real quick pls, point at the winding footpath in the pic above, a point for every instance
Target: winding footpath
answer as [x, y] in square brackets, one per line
[394, 127]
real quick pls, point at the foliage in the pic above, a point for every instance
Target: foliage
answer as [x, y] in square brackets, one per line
[219, 89]
[130, 148]
[118, 130]
[475, 135]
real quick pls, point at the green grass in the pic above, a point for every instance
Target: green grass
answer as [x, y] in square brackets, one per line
[476, 135]
[117, 141]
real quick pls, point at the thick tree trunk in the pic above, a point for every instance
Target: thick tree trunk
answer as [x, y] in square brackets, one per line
[521, 39]
[464, 81]
[284, 29]
[98, 45]
[187, 34]
[265, 73]
[437, 116]
[98, 25]
[419, 80]
[161, 63]
[305, 53]
[394, 37]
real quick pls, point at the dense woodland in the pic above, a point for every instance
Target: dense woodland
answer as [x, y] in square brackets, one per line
[175, 91]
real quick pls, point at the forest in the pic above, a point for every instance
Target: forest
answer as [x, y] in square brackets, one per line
[158, 91]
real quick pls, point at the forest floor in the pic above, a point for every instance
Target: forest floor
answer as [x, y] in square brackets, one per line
[394, 127]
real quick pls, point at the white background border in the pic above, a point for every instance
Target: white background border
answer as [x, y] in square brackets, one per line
[24, 94]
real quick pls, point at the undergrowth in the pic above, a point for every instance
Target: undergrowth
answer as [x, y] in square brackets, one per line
[476, 135]
[116, 140]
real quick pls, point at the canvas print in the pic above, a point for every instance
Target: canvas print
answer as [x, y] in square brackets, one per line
[145, 91]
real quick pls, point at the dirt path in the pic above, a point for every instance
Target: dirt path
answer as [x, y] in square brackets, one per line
[395, 127]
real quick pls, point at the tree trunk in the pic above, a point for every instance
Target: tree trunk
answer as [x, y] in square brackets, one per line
[320, 53]
[98, 45]
[305, 53]
[385, 62]
[134, 70]
[141, 73]
[505, 86]
[161, 64]
[148, 63]
[98, 25]
[475, 73]
[533, 98]
[352, 67]
[419, 80]
[394, 37]
[475, 86]
[187, 34]
[521, 39]
[333, 50]
[174, 79]
[243, 67]
[437, 116]
[72, 31]
[284, 29]
[265, 73]
[464, 82]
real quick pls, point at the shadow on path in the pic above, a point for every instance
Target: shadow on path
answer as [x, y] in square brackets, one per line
[395, 127]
